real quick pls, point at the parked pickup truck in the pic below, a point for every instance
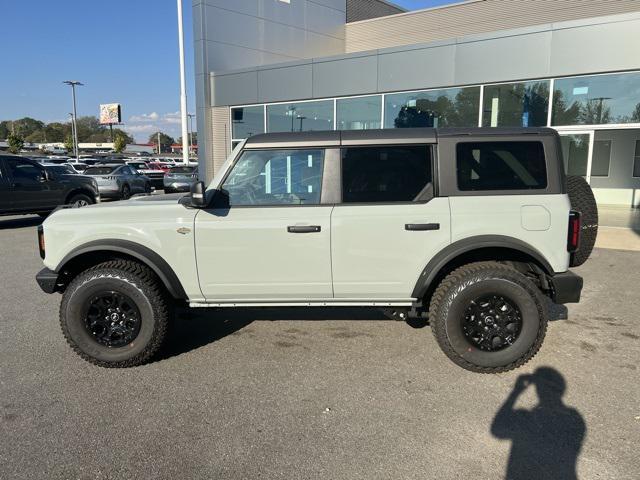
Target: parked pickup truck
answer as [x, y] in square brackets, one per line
[475, 228]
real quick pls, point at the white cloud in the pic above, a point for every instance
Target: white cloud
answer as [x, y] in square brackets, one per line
[140, 126]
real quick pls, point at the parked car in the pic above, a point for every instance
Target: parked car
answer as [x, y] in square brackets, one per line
[481, 236]
[154, 174]
[29, 187]
[118, 181]
[180, 179]
[164, 166]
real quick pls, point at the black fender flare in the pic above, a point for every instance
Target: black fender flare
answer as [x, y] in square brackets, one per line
[460, 247]
[141, 253]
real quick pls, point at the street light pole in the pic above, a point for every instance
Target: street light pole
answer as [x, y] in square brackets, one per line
[190, 116]
[73, 129]
[183, 88]
[73, 84]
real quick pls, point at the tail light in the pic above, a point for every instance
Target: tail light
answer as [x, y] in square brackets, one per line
[575, 226]
[41, 241]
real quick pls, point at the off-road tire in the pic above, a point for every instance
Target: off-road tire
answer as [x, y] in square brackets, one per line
[142, 286]
[583, 201]
[78, 197]
[451, 298]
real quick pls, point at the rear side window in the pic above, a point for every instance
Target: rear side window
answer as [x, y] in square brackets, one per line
[386, 174]
[501, 166]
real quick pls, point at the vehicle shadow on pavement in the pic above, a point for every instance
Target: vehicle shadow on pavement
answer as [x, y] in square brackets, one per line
[22, 222]
[546, 440]
[195, 328]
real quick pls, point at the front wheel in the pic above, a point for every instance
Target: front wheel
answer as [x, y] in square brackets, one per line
[488, 317]
[126, 192]
[115, 314]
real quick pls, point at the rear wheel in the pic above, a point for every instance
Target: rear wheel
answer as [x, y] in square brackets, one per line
[80, 200]
[115, 314]
[488, 317]
[583, 201]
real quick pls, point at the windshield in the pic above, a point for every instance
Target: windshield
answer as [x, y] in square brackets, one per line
[99, 170]
[182, 169]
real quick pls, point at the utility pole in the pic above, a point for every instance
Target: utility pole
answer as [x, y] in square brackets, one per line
[183, 88]
[73, 84]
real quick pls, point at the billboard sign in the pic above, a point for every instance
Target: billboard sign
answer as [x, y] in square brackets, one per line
[110, 113]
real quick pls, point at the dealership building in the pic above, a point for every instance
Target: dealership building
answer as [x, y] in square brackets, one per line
[299, 65]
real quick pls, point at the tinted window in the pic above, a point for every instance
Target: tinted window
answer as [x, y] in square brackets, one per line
[182, 169]
[247, 121]
[598, 99]
[501, 166]
[61, 169]
[451, 107]
[385, 174]
[362, 113]
[300, 117]
[23, 171]
[274, 177]
[636, 160]
[601, 158]
[516, 105]
[99, 170]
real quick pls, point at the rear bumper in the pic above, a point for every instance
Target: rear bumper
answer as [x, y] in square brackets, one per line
[48, 280]
[566, 287]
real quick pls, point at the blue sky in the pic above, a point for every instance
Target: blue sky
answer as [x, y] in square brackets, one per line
[124, 51]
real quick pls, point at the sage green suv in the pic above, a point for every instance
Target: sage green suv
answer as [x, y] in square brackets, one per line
[475, 229]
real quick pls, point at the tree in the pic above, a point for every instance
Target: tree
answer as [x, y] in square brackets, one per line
[635, 116]
[165, 141]
[4, 130]
[68, 144]
[119, 143]
[16, 142]
[26, 126]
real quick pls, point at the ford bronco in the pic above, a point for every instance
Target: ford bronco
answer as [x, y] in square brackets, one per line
[474, 228]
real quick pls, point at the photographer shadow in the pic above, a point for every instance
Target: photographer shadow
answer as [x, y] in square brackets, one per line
[547, 439]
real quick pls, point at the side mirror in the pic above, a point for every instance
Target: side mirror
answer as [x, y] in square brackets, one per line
[44, 176]
[198, 199]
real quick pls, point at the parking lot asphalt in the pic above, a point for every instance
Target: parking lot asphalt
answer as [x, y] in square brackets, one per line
[340, 394]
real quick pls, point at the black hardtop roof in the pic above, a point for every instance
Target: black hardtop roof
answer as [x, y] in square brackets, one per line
[381, 136]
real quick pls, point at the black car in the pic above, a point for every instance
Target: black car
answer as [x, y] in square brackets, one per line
[29, 187]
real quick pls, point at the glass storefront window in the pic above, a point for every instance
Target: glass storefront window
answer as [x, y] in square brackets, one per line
[247, 121]
[363, 113]
[601, 158]
[452, 107]
[300, 117]
[597, 100]
[516, 105]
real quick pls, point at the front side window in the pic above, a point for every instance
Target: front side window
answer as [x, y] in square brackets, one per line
[276, 177]
[386, 174]
[24, 171]
[501, 166]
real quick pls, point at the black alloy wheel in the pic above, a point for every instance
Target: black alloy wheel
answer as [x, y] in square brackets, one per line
[112, 319]
[492, 322]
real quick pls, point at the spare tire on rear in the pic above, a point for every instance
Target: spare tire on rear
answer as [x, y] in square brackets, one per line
[583, 201]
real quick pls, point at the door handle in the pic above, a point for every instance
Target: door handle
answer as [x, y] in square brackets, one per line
[421, 227]
[303, 228]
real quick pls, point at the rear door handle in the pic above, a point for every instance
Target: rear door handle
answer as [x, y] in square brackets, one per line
[303, 228]
[421, 227]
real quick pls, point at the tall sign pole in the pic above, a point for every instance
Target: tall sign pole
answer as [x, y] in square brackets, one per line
[183, 89]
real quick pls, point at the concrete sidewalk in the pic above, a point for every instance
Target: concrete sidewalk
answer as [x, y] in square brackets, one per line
[619, 228]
